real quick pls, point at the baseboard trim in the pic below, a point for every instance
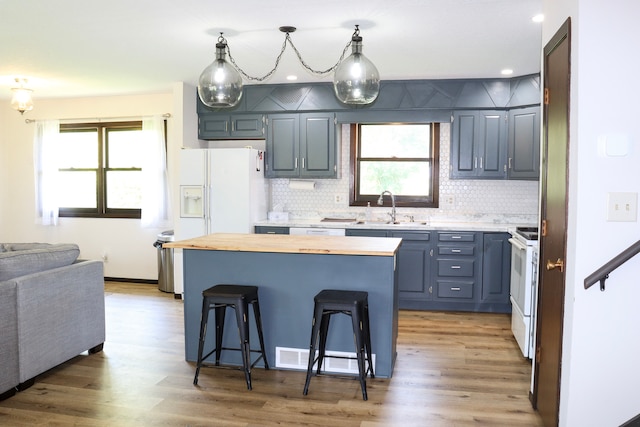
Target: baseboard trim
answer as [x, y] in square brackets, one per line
[124, 279]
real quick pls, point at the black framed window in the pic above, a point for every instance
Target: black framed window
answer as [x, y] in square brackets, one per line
[399, 157]
[100, 170]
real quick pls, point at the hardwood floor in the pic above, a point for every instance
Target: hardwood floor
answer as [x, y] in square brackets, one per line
[453, 369]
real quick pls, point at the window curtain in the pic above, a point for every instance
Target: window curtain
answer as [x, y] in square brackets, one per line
[45, 157]
[156, 205]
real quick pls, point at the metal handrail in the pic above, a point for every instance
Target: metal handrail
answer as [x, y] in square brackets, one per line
[602, 274]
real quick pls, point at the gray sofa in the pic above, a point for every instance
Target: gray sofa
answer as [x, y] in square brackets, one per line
[51, 310]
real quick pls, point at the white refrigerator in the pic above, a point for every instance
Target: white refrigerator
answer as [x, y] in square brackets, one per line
[222, 190]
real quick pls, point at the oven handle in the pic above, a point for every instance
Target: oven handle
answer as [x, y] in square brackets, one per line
[518, 244]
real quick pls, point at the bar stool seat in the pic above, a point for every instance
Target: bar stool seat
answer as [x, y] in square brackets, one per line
[354, 304]
[238, 297]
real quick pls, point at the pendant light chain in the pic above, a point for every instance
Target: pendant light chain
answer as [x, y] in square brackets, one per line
[356, 80]
[287, 39]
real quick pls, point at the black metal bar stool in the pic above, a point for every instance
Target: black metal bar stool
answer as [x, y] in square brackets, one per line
[354, 304]
[238, 297]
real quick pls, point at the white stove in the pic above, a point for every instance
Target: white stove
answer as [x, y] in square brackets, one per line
[524, 280]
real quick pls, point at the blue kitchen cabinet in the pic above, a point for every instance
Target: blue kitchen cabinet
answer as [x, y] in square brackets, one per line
[213, 126]
[496, 271]
[366, 233]
[301, 146]
[524, 144]
[413, 264]
[479, 145]
[451, 270]
[282, 146]
[414, 268]
[458, 265]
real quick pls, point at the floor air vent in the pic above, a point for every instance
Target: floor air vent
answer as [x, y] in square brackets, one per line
[297, 358]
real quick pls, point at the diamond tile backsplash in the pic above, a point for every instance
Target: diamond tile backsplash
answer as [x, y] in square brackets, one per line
[499, 201]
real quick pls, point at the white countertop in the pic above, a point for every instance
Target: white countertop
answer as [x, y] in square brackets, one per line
[424, 226]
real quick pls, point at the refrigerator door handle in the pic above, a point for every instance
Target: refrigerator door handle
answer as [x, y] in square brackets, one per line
[259, 161]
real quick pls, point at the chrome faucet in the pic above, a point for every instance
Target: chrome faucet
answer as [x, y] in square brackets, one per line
[393, 204]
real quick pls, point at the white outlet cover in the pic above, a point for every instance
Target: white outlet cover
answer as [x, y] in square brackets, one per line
[622, 207]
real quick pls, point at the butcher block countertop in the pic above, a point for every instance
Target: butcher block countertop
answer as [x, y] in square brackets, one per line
[284, 243]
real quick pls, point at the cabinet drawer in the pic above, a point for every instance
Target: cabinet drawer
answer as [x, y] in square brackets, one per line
[462, 290]
[456, 237]
[467, 250]
[271, 230]
[409, 235]
[456, 267]
[366, 233]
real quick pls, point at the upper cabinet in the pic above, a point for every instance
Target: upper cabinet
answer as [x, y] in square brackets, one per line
[494, 135]
[239, 126]
[479, 145]
[489, 144]
[301, 146]
[524, 143]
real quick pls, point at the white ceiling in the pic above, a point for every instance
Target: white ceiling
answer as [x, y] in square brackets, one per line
[70, 48]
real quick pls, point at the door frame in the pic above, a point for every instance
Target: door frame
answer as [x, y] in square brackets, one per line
[551, 401]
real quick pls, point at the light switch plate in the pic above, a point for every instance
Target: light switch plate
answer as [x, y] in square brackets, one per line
[613, 145]
[622, 207]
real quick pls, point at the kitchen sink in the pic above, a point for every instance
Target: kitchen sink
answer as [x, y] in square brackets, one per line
[410, 224]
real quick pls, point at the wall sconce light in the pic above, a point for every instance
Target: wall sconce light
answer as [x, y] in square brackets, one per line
[356, 79]
[21, 100]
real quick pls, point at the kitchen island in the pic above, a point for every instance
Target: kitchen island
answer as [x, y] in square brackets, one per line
[290, 271]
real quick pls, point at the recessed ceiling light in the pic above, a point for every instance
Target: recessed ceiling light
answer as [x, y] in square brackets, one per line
[538, 18]
[506, 72]
[292, 77]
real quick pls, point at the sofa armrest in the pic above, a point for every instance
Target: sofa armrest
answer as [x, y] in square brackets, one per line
[61, 313]
[8, 337]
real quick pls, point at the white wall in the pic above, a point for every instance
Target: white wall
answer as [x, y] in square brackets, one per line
[128, 247]
[601, 347]
[4, 164]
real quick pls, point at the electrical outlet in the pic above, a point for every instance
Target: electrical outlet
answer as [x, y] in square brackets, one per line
[449, 201]
[337, 198]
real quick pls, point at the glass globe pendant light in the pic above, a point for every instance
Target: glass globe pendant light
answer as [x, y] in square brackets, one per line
[220, 84]
[356, 80]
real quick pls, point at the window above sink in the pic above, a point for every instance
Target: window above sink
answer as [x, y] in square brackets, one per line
[401, 158]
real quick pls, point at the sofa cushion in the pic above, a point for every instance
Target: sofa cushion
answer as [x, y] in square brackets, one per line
[7, 247]
[16, 261]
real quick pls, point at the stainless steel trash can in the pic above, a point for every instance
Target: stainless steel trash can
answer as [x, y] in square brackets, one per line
[165, 261]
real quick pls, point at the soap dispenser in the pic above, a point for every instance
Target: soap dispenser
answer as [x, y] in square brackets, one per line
[367, 212]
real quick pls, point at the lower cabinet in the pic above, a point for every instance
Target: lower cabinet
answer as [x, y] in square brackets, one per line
[414, 268]
[451, 270]
[496, 271]
[458, 263]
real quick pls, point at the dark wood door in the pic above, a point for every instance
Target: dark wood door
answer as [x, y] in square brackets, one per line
[550, 314]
